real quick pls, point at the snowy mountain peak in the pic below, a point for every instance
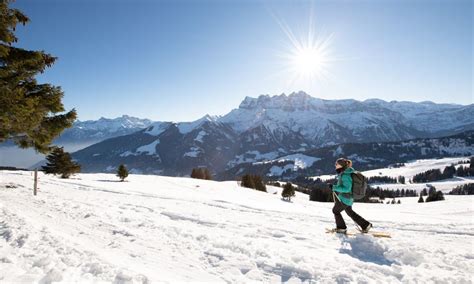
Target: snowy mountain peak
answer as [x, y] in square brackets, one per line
[295, 100]
[186, 127]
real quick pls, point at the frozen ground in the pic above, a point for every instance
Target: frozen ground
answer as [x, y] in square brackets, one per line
[151, 228]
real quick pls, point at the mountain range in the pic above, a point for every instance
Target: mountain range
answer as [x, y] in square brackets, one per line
[270, 127]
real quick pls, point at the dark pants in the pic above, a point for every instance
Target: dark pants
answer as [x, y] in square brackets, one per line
[340, 224]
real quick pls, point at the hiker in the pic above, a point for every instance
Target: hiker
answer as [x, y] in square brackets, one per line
[343, 200]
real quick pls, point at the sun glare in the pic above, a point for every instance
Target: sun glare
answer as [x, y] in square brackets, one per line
[307, 59]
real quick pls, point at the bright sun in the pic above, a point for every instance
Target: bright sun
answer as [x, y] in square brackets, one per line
[307, 59]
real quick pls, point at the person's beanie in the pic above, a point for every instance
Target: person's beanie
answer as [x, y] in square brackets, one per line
[345, 163]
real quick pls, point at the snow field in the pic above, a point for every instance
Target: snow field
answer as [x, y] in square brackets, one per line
[161, 229]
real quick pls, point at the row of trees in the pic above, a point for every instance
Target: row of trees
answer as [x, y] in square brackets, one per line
[465, 189]
[386, 179]
[448, 172]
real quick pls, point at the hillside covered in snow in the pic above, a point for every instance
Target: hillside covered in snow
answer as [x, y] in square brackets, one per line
[410, 169]
[153, 228]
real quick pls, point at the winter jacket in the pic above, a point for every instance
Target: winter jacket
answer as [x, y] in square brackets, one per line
[343, 187]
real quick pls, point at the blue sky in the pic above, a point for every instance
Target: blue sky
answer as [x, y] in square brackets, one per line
[179, 60]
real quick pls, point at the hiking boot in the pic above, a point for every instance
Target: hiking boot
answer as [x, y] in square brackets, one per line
[340, 231]
[366, 230]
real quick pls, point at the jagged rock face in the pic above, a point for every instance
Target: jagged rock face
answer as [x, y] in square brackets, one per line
[266, 128]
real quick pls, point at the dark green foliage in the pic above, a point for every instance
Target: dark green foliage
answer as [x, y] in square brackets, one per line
[465, 189]
[29, 111]
[465, 171]
[122, 172]
[201, 173]
[424, 192]
[399, 202]
[253, 181]
[247, 181]
[431, 190]
[259, 184]
[429, 175]
[401, 179]
[382, 179]
[321, 193]
[60, 163]
[434, 195]
[448, 172]
[288, 191]
[421, 200]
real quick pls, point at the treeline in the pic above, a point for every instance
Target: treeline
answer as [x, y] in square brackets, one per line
[389, 193]
[448, 172]
[386, 179]
[465, 189]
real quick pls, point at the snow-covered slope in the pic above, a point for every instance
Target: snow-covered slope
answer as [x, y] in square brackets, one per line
[151, 228]
[415, 167]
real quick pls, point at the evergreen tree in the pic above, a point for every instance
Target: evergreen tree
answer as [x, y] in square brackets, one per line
[424, 192]
[288, 191]
[401, 179]
[421, 200]
[259, 184]
[399, 202]
[207, 174]
[29, 111]
[434, 195]
[122, 172]
[449, 171]
[247, 181]
[195, 173]
[60, 163]
[253, 181]
[201, 173]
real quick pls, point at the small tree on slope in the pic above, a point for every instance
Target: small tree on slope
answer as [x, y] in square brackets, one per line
[60, 163]
[122, 172]
[421, 200]
[288, 191]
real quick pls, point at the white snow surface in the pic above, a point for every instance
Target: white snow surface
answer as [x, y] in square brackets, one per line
[149, 149]
[157, 128]
[92, 228]
[300, 160]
